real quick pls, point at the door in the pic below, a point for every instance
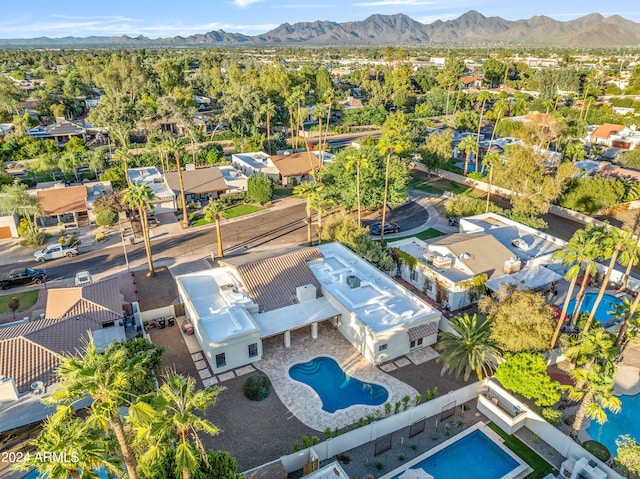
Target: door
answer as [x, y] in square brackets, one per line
[55, 252]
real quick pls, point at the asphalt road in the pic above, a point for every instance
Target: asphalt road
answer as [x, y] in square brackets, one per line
[407, 216]
[272, 228]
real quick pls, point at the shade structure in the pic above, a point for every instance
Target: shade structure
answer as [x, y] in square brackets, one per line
[418, 473]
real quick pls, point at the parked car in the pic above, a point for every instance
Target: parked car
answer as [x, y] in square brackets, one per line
[376, 229]
[54, 251]
[18, 277]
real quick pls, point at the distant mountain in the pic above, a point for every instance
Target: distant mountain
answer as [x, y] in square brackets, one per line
[472, 28]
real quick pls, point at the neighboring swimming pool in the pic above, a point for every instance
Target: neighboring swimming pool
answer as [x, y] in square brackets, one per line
[604, 308]
[627, 421]
[337, 390]
[474, 455]
[33, 474]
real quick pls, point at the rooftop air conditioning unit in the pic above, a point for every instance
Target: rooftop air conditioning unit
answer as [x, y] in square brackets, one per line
[306, 293]
[441, 262]
[353, 281]
[512, 265]
[429, 257]
[227, 287]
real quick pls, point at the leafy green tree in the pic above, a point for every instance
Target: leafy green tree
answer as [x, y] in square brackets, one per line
[595, 396]
[437, 149]
[218, 465]
[14, 199]
[96, 160]
[177, 420]
[470, 348]
[70, 163]
[628, 455]
[260, 188]
[520, 320]
[630, 159]
[213, 212]
[592, 195]
[138, 196]
[526, 373]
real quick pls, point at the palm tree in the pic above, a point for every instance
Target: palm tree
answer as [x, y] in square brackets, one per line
[470, 348]
[81, 448]
[575, 149]
[319, 201]
[106, 379]
[483, 96]
[628, 257]
[268, 109]
[572, 257]
[389, 143]
[628, 311]
[489, 160]
[139, 196]
[307, 190]
[178, 420]
[469, 145]
[595, 396]
[360, 162]
[319, 112]
[123, 155]
[591, 347]
[176, 147]
[615, 241]
[499, 107]
[212, 212]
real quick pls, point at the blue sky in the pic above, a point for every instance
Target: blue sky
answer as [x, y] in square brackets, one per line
[162, 18]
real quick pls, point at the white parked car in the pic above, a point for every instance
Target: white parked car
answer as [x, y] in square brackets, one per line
[83, 278]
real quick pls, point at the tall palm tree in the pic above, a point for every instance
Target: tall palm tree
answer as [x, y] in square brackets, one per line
[81, 448]
[176, 147]
[590, 251]
[488, 161]
[629, 257]
[360, 161]
[125, 156]
[469, 145]
[319, 112]
[320, 201]
[483, 96]
[389, 143]
[470, 348]
[139, 196]
[573, 258]
[178, 421]
[591, 347]
[629, 312]
[307, 190]
[106, 379]
[499, 107]
[212, 212]
[595, 396]
[268, 109]
[615, 241]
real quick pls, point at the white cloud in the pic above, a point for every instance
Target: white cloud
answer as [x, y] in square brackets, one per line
[299, 6]
[245, 3]
[392, 3]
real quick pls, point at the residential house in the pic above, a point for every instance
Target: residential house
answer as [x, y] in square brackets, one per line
[9, 225]
[470, 82]
[255, 163]
[30, 351]
[295, 168]
[236, 181]
[602, 134]
[199, 184]
[63, 204]
[62, 131]
[253, 297]
[165, 201]
[489, 250]
[352, 102]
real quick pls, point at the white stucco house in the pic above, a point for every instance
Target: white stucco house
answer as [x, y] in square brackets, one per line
[489, 250]
[255, 163]
[257, 296]
[165, 201]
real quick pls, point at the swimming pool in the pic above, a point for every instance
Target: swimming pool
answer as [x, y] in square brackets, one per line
[473, 455]
[604, 308]
[33, 474]
[337, 390]
[627, 421]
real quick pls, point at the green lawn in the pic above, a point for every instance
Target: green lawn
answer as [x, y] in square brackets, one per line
[438, 186]
[540, 467]
[27, 300]
[283, 191]
[240, 210]
[423, 235]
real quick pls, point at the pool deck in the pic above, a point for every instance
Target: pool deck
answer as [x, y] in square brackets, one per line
[301, 399]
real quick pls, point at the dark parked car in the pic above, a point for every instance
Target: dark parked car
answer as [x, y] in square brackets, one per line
[17, 277]
[376, 229]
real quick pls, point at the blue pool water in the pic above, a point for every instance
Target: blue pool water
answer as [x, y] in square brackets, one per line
[627, 421]
[474, 455]
[337, 390]
[33, 474]
[604, 308]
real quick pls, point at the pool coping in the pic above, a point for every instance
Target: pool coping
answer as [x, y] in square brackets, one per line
[522, 470]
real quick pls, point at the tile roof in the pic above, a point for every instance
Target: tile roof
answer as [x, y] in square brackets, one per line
[296, 164]
[99, 302]
[27, 362]
[66, 336]
[486, 253]
[422, 331]
[272, 281]
[65, 128]
[199, 181]
[606, 130]
[56, 201]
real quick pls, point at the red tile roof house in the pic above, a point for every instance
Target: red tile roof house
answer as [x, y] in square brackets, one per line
[603, 133]
[31, 351]
[296, 168]
[64, 205]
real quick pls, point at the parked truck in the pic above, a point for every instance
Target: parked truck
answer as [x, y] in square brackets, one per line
[54, 251]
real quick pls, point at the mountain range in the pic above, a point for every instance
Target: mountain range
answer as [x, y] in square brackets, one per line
[471, 28]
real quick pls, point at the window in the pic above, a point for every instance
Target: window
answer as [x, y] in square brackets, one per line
[253, 350]
[382, 347]
[221, 360]
[414, 275]
[428, 285]
[412, 344]
[419, 341]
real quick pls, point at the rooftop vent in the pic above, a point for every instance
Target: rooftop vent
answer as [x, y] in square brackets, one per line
[441, 262]
[228, 287]
[306, 293]
[464, 255]
[353, 281]
[512, 265]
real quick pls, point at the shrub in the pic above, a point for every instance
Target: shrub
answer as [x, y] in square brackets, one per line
[99, 237]
[552, 416]
[597, 449]
[260, 188]
[257, 387]
[106, 218]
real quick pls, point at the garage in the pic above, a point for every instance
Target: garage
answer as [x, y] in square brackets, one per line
[5, 232]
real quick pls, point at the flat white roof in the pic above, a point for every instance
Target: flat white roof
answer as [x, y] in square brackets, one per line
[151, 176]
[217, 297]
[257, 160]
[294, 316]
[379, 302]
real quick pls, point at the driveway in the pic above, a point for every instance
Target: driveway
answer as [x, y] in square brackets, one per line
[408, 216]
